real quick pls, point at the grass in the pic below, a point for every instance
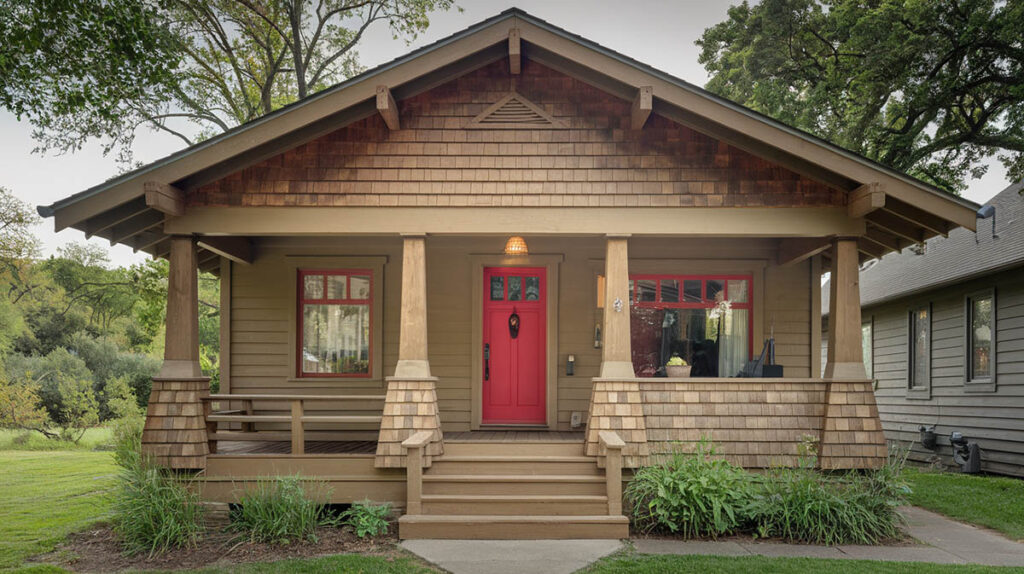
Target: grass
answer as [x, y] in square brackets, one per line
[44, 496]
[644, 564]
[991, 501]
[94, 439]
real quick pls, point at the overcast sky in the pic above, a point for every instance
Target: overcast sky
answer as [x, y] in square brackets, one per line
[660, 34]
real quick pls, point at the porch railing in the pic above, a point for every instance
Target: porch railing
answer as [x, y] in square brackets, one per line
[613, 445]
[296, 418]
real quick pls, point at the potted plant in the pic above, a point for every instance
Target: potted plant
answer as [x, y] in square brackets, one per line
[677, 367]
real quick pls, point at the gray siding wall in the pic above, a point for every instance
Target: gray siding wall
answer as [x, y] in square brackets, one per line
[994, 419]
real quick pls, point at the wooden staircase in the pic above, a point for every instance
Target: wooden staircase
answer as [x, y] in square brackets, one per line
[514, 490]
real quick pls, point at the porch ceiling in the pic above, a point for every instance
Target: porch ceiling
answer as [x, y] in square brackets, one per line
[118, 210]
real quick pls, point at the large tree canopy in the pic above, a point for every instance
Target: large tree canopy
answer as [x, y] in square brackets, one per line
[100, 69]
[930, 87]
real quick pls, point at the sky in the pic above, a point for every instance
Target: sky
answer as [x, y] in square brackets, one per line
[658, 33]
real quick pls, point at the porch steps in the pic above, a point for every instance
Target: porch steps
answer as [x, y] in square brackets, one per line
[513, 490]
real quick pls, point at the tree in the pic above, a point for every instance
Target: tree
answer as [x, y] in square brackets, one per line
[190, 68]
[17, 243]
[927, 87]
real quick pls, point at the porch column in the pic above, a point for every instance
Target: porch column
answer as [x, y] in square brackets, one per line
[616, 402]
[410, 405]
[175, 431]
[412, 339]
[845, 355]
[616, 356]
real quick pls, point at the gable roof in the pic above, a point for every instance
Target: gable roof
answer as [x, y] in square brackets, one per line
[962, 256]
[121, 200]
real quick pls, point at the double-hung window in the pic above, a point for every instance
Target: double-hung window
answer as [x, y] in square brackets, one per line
[919, 352]
[335, 323]
[980, 365]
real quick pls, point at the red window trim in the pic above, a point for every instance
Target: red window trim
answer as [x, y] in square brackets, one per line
[301, 300]
[634, 296]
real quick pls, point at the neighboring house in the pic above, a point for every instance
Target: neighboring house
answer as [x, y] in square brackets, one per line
[437, 274]
[943, 338]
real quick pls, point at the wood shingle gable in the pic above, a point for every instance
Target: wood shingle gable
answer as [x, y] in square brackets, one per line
[575, 147]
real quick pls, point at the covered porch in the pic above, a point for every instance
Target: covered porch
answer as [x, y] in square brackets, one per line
[427, 333]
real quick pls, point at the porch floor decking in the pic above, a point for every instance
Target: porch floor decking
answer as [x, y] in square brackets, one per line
[514, 436]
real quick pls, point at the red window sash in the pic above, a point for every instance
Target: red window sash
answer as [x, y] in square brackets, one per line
[300, 315]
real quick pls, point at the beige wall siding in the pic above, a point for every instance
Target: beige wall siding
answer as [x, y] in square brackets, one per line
[993, 419]
[263, 310]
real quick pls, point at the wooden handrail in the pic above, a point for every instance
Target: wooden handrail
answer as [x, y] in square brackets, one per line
[415, 445]
[296, 418]
[233, 397]
[613, 445]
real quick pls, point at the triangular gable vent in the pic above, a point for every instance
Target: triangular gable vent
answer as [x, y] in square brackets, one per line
[515, 112]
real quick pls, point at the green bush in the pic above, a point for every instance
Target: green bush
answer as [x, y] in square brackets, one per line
[691, 494]
[154, 510]
[126, 436]
[803, 505]
[367, 519]
[279, 511]
[697, 496]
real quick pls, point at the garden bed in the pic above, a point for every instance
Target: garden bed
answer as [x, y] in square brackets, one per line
[98, 550]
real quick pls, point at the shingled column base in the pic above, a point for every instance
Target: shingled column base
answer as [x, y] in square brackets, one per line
[410, 406]
[851, 436]
[617, 405]
[175, 432]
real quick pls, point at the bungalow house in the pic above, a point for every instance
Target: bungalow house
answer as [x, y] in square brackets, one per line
[454, 282]
[943, 339]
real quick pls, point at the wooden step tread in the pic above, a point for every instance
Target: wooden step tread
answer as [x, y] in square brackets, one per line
[513, 458]
[511, 478]
[513, 498]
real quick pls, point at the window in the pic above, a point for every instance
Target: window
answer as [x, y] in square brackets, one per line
[704, 319]
[980, 360]
[867, 343]
[335, 323]
[919, 352]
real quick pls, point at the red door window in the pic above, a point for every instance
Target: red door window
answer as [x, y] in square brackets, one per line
[515, 352]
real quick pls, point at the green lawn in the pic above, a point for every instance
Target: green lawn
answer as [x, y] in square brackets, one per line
[46, 495]
[97, 438]
[642, 564]
[991, 501]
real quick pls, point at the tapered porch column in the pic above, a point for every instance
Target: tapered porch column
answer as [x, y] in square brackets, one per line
[616, 403]
[845, 355]
[616, 356]
[410, 405]
[412, 340]
[175, 431]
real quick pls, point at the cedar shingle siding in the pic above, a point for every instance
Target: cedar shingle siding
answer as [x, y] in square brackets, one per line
[435, 161]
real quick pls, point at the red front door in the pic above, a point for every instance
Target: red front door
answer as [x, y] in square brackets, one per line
[515, 344]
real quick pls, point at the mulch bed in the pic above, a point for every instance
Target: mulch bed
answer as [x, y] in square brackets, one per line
[97, 550]
[905, 540]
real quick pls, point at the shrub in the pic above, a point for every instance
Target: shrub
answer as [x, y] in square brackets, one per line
[154, 510]
[367, 519]
[691, 494]
[807, 506]
[279, 511]
[127, 439]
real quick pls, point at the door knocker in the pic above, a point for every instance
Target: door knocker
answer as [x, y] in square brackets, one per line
[513, 324]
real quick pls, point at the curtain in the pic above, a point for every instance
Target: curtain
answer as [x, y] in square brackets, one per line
[732, 342]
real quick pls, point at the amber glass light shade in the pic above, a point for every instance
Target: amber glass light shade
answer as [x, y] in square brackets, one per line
[516, 246]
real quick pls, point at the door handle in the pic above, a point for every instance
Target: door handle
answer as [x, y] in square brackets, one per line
[487, 361]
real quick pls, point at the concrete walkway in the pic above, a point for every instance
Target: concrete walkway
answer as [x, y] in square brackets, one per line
[942, 540]
[512, 556]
